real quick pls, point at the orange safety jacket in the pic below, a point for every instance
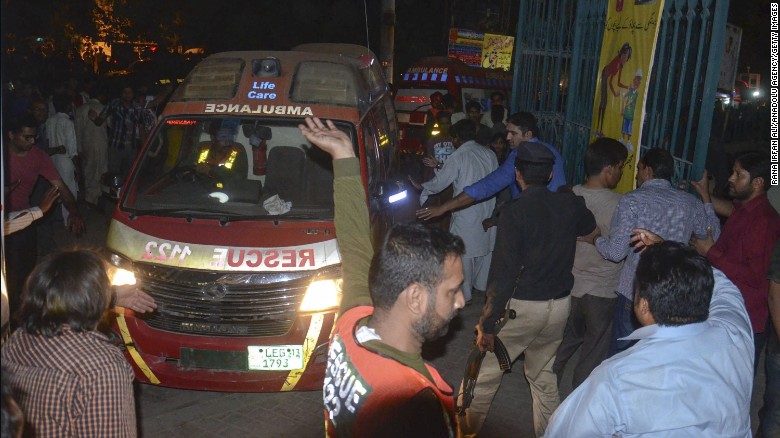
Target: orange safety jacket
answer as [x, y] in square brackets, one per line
[363, 389]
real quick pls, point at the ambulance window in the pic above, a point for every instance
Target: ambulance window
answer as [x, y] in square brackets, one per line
[327, 83]
[212, 79]
[386, 141]
[234, 167]
[372, 159]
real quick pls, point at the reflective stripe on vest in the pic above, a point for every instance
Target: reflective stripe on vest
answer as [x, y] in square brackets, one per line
[204, 155]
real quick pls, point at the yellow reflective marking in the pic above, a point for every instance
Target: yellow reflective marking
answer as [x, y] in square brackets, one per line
[231, 159]
[128, 340]
[204, 154]
[315, 326]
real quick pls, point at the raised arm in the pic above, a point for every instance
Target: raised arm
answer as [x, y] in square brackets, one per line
[351, 210]
[721, 206]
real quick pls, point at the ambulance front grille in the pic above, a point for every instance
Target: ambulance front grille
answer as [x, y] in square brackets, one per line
[222, 304]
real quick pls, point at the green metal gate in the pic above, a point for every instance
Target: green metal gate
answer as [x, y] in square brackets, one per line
[556, 64]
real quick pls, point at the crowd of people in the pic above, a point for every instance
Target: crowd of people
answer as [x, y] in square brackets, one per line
[68, 140]
[670, 310]
[66, 376]
[670, 297]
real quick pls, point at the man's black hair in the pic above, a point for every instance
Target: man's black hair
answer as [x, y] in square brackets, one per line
[497, 93]
[677, 283]
[757, 164]
[534, 174]
[410, 254]
[604, 152]
[61, 101]
[16, 124]
[473, 104]
[661, 161]
[69, 288]
[464, 129]
[525, 121]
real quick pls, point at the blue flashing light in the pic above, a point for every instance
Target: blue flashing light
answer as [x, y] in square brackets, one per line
[444, 77]
[424, 77]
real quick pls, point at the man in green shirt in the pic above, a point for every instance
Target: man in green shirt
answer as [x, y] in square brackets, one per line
[376, 382]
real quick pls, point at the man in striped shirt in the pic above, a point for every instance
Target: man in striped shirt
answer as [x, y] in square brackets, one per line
[656, 205]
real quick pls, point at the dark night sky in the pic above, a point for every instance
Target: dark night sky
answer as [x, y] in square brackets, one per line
[753, 17]
[421, 26]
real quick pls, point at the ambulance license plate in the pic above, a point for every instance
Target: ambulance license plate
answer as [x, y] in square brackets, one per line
[275, 357]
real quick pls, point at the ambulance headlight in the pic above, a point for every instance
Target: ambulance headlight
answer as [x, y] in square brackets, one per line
[322, 295]
[120, 271]
[122, 277]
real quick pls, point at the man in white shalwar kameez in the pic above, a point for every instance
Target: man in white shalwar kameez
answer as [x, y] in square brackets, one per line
[94, 146]
[468, 164]
[62, 141]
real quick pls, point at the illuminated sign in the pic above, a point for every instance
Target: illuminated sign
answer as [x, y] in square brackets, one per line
[412, 99]
[281, 110]
[180, 122]
[262, 94]
[428, 70]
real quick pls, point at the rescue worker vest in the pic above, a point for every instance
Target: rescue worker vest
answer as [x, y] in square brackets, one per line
[363, 389]
[226, 162]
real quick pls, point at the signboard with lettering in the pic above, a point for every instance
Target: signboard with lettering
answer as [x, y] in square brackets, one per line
[728, 65]
[144, 247]
[627, 50]
[497, 51]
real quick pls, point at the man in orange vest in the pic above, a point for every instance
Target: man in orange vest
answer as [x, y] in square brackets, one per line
[376, 381]
[223, 159]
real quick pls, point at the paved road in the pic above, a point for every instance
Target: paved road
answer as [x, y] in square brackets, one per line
[166, 412]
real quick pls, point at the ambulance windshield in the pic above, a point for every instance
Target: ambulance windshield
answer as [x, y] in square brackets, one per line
[234, 169]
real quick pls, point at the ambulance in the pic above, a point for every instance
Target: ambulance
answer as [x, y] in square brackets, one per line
[444, 75]
[226, 219]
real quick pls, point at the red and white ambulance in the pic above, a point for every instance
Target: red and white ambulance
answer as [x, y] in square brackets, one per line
[239, 250]
[444, 75]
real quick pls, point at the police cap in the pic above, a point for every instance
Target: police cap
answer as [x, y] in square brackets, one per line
[534, 152]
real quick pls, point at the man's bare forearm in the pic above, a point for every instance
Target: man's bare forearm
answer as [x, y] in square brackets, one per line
[457, 202]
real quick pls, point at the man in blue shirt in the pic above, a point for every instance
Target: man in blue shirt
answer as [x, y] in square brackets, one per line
[521, 127]
[691, 372]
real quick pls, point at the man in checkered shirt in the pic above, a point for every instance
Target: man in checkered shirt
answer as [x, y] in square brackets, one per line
[67, 377]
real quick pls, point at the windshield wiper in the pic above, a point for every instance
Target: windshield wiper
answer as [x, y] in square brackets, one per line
[185, 212]
[281, 217]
